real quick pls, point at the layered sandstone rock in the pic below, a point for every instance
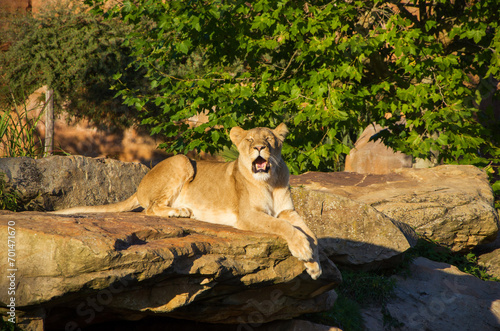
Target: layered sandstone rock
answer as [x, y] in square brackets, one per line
[353, 233]
[85, 269]
[59, 182]
[452, 205]
[491, 261]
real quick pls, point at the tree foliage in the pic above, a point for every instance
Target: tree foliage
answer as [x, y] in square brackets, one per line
[326, 68]
[73, 52]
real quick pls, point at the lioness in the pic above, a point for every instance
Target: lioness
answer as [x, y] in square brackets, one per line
[251, 193]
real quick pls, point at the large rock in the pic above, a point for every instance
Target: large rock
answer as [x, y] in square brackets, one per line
[355, 234]
[59, 182]
[450, 204]
[78, 270]
[374, 157]
[352, 233]
[491, 261]
[436, 296]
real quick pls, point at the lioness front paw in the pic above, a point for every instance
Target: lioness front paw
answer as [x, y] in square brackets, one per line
[299, 246]
[313, 269]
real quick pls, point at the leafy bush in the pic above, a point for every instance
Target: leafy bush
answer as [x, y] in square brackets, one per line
[73, 52]
[8, 326]
[327, 69]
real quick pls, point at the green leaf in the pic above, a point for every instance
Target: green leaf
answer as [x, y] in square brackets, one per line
[442, 139]
[184, 46]
[295, 92]
[215, 136]
[430, 24]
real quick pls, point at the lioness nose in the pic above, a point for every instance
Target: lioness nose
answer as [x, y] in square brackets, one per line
[259, 148]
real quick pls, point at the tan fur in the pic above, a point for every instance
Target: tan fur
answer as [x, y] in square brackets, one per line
[233, 193]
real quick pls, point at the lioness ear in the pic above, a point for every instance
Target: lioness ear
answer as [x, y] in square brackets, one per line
[237, 134]
[281, 131]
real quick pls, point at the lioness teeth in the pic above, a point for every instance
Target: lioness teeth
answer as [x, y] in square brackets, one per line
[260, 164]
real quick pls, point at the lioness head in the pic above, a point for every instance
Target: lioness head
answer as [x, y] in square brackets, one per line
[260, 149]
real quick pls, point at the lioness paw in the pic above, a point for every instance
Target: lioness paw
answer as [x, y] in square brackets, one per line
[299, 247]
[313, 269]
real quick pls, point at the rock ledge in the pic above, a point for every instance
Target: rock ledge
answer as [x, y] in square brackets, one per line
[98, 267]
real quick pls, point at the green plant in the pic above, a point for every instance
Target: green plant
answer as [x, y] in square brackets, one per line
[326, 68]
[18, 131]
[358, 289]
[230, 154]
[8, 326]
[345, 314]
[496, 191]
[8, 198]
[367, 287]
[493, 172]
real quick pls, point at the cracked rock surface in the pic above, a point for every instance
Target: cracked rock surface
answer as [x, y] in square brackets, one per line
[58, 182]
[451, 204]
[85, 269]
[353, 233]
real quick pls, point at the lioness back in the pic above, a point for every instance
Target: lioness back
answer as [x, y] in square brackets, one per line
[212, 195]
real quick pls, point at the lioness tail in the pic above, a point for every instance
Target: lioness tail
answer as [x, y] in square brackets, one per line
[126, 205]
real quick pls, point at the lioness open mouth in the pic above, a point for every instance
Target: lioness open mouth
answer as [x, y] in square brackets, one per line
[260, 165]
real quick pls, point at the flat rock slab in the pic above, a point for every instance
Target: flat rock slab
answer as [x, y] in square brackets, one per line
[352, 233]
[84, 269]
[437, 296]
[450, 204]
[59, 182]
